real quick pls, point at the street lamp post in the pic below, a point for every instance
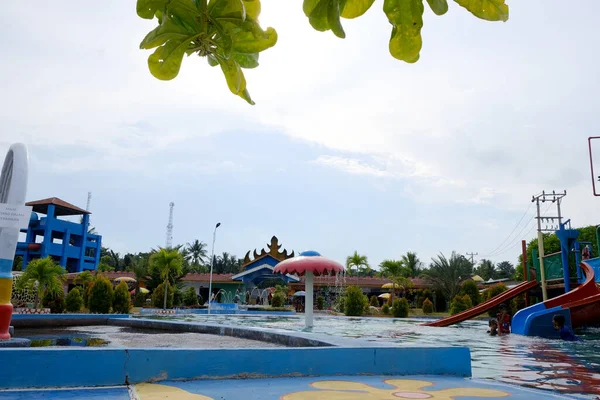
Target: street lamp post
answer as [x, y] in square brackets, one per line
[212, 264]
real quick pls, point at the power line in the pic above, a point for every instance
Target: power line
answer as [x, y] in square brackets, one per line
[517, 239]
[513, 231]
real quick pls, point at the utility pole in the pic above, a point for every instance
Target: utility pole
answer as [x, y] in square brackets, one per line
[542, 198]
[472, 255]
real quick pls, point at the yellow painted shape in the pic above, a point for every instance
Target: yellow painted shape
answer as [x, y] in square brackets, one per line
[152, 391]
[5, 290]
[403, 389]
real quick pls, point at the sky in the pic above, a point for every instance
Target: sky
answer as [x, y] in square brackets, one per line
[347, 149]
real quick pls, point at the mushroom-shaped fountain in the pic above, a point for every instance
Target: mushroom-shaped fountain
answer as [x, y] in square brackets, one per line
[309, 264]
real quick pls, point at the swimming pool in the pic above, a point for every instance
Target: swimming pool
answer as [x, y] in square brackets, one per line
[566, 367]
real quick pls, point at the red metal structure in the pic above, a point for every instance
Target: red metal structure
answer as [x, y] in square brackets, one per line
[485, 306]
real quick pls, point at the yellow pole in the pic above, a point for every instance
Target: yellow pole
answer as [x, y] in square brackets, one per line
[542, 270]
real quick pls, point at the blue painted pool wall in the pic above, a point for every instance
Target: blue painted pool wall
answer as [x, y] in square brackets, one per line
[98, 367]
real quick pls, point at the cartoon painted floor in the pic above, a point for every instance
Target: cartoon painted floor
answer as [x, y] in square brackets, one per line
[323, 388]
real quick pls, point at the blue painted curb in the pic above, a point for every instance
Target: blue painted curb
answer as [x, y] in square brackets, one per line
[38, 368]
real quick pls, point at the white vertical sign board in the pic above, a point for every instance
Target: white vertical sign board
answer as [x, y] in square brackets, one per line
[14, 216]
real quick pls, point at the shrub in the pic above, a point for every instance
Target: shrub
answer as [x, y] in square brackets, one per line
[460, 304]
[122, 299]
[385, 309]
[374, 301]
[493, 292]
[341, 304]
[278, 300]
[367, 307]
[470, 288]
[55, 302]
[424, 295]
[177, 296]
[400, 308]
[190, 298]
[139, 300]
[389, 301]
[74, 300]
[320, 303]
[427, 306]
[158, 296]
[355, 302]
[86, 294]
[100, 296]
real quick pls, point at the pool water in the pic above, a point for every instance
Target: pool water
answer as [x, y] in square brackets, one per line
[566, 367]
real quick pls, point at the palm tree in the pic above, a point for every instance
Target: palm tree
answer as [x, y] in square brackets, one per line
[357, 261]
[44, 272]
[196, 253]
[412, 263]
[447, 274]
[397, 272]
[168, 262]
[84, 278]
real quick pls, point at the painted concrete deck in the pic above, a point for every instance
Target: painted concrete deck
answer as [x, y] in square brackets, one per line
[315, 388]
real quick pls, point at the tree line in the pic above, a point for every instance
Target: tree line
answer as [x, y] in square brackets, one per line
[195, 259]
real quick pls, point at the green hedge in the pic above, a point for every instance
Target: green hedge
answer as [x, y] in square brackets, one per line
[400, 308]
[74, 300]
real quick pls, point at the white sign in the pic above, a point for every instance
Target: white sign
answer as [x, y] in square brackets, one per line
[13, 216]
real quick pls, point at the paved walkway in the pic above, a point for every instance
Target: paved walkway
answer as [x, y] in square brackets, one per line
[323, 388]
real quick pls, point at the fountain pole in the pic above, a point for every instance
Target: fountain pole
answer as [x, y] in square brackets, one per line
[13, 188]
[308, 298]
[212, 264]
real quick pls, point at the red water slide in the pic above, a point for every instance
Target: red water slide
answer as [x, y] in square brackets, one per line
[483, 307]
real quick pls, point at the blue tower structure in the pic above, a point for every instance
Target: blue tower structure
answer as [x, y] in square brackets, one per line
[261, 267]
[67, 242]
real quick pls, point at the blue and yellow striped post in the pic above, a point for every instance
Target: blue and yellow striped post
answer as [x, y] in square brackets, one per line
[13, 188]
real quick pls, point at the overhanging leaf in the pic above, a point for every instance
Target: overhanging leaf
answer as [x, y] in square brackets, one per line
[165, 62]
[246, 60]
[324, 15]
[167, 30]
[490, 10]
[253, 39]
[333, 17]
[439, 7]
[356, 8]
[407, 18]
[147, 8]
[235, 79]
[185, 13]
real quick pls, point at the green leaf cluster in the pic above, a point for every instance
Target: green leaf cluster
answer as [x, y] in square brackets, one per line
[190, 298]
[159, 294]
[55, 302]
[385, 309]
[460, 304]
[122, 299]
[100, 296]
[74, 300]
[405, 16]
[400, 308]
[355, 302]
[427, 307]
[226, 32]
[320, 303]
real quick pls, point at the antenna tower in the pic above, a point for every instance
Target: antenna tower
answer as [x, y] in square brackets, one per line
[89, 200]
[170, 226]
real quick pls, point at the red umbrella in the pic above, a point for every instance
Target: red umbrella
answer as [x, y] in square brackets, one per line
[309, 264]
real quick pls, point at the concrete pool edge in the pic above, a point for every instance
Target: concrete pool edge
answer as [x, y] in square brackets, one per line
[54, 367]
